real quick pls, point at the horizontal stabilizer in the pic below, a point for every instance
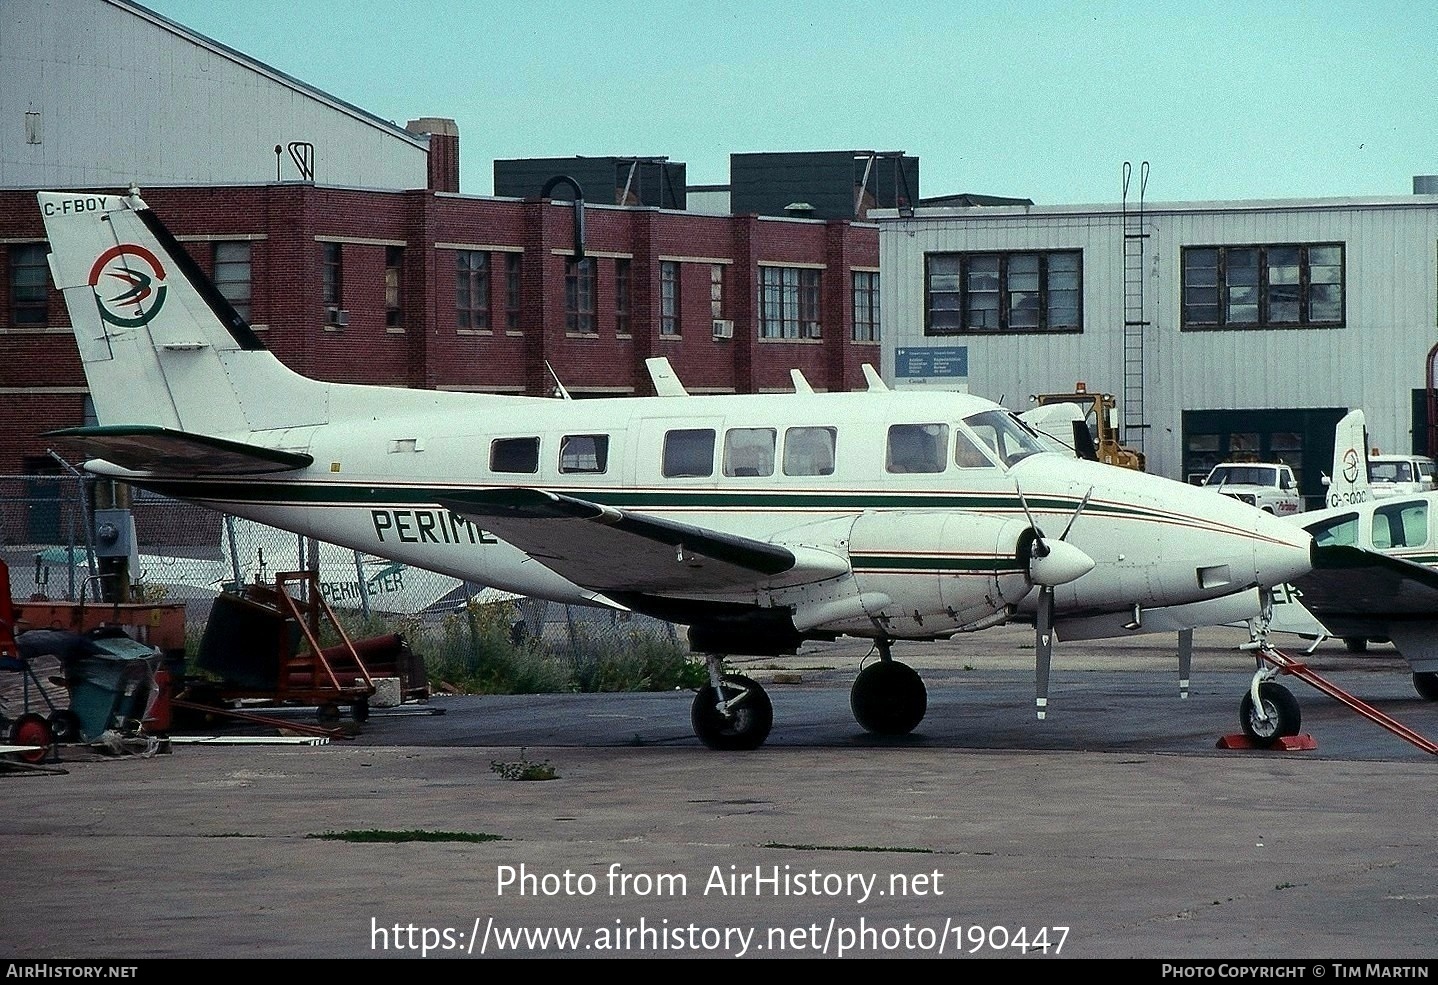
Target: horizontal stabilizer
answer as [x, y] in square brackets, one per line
[148, 448]
[616, 550]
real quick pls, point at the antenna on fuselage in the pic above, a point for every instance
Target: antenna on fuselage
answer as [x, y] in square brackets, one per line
[876, 382]
[559, 390]
[801, 385]
[666, 382]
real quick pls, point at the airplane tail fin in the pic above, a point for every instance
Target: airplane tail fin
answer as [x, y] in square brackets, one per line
[1348, 483]
[161, 346]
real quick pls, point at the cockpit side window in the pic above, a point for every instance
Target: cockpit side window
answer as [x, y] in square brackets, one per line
[917, 448]
[967, 452]
[1005, 436]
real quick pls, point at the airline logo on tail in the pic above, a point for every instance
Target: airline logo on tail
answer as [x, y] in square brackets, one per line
[129, 285]
[1349, 485]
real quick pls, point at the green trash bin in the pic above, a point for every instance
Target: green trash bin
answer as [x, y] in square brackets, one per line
[111, 689]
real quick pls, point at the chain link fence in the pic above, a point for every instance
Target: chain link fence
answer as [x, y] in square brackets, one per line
[186, 553]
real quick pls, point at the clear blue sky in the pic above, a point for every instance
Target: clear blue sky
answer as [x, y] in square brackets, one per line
[1035, 98]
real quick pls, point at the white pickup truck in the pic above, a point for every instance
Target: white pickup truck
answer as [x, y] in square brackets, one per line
[1269, 486]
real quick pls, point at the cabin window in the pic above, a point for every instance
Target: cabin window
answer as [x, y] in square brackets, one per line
[584, 453]
[1339, 530]
[29, 286]
[689, 453]
[917, 448]
[993, 293]
[1276, 286]
[1400, 525]
[809, 451]
[968, 454]
[514, 455]
[749, 451]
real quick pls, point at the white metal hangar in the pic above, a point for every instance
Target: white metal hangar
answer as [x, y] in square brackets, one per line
[1226, 329]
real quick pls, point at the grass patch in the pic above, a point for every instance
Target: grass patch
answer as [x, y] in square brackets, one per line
[524, 769]
[847, 848]
[381, 836]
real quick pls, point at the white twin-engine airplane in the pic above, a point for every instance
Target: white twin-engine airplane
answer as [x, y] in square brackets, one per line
[758, 521]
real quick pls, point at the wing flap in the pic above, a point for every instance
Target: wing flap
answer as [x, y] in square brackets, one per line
[148, 448]
[615, 550]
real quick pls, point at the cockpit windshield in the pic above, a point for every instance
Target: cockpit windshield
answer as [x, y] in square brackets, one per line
[1009, 440]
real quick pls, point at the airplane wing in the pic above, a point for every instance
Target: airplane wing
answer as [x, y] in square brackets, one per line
[614, 550]
[1364, 594]
[147, 448]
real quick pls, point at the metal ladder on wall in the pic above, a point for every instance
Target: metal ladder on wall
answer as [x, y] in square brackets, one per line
[1135, 324]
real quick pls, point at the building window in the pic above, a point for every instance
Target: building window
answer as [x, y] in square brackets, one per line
[29, 286]
[394, 286]
[1004, 292]
[668, 298]
[511, 291]
[333, 274]
[472, 289]
[579, 296]
[622, 281]
[1276, 286]
[232, 275]
[789, 303]
[716, 291]
[866, 306]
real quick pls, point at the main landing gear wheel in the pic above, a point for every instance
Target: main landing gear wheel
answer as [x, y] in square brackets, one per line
[750, 715]
[65, 725]
[1426, 684]
[888, 698]
[1282, 716]
[1356, 644]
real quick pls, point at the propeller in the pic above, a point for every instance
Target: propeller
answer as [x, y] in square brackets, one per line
[1051, 563]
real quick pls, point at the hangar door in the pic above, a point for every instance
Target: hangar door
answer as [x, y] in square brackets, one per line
[1302, 439]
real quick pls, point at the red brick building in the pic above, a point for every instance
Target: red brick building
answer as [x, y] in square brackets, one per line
[434, 289]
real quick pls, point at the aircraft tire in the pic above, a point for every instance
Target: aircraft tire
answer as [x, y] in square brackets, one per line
[750, 723]
[1284, 716]
[1356, 644]
[1426, 684]
[888, 698]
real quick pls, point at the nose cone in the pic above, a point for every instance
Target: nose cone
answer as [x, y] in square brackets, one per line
[1061, 564]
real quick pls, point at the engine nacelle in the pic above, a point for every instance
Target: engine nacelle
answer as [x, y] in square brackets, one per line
[940, 571]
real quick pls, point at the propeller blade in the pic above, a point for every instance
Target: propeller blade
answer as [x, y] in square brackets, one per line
[1039, 548]
[1081, 505]
[1043, 650]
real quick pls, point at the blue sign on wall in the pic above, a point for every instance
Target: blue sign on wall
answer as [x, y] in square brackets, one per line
[946, 361]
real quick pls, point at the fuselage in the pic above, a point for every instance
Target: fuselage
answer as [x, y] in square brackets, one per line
[936, 534]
